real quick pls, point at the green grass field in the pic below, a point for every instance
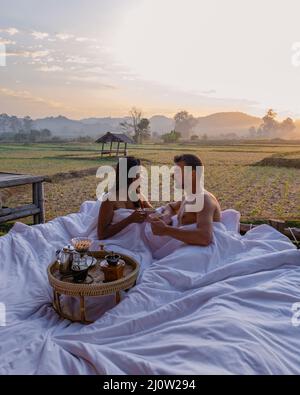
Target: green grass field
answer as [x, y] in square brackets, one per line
[257, 192]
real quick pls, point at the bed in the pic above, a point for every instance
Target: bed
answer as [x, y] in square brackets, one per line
[229, 308]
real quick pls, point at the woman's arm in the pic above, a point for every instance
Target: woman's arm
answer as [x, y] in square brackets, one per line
[106, 229]
[144, 202]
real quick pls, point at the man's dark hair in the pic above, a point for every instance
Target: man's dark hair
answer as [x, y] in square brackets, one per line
[189, 160]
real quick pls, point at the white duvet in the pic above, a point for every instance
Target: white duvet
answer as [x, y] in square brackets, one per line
[226, 308]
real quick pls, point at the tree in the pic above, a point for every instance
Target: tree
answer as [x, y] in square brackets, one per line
[184, 123]
[21, 137]
[34, 136]
[45, 134]
[14, 124]
[139, 127]
[131, 127]
[27, 124]
[84, 139]
[143, 131]
[181, 116]
[271, 128]
[204, 137]
[252, 132]
[194, 137]
[171, 137]
[56, 139]
[287, 126]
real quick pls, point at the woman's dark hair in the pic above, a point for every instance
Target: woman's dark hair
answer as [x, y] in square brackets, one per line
[131, 162]
[189, 160]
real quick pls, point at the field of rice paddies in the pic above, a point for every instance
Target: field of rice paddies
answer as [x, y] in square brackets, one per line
[234, 173]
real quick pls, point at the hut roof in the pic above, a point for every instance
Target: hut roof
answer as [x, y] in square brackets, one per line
[108, 137]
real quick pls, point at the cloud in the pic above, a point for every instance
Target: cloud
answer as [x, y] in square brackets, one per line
[50, 69]
[70, 36]
[129, 78]
[95, 70]
[209, 92]
[93, 47]
[77, 59]
[93, 80]
[39, 35]
[4, 41]
[29, 54]
[28, 96]
[85, 39]
[64, 36]
[82, 39]
[11, 31]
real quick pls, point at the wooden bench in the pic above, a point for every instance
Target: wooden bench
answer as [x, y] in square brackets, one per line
[36, 209]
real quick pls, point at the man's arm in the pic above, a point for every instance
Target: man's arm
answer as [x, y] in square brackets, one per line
[202, 236]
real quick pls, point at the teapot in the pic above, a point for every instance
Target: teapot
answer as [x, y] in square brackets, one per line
[65, 257]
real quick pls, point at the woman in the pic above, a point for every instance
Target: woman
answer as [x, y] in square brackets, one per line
[106, 227]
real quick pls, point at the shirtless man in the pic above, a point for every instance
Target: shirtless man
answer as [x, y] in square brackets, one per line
[211, 211]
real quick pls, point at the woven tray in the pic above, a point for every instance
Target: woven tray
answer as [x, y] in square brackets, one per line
[66, 286]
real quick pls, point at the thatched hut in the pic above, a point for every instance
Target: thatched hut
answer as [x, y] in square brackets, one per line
[111, 138]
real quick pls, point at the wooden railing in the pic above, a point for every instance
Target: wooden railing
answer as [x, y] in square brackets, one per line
[35, 209]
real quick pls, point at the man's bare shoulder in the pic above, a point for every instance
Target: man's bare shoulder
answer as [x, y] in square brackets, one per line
[211, 204]
[210, 198]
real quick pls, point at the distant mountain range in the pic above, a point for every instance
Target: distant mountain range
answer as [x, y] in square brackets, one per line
[219, 124]
[64, 127]
[214, 124]
[226, 123]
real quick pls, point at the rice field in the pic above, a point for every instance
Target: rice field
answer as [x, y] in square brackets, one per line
[258, 192]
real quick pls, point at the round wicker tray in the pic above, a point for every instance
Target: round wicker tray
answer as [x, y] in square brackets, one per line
[66, 286]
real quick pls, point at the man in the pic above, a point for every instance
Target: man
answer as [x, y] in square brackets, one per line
[208, 213]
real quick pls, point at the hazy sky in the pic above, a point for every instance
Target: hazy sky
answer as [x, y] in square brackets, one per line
[84, 58]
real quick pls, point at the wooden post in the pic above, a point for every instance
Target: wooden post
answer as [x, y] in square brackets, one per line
[118, 148]
[38, 201]
[35, 201]
[41, 202]
[102, 149]
[125, 150]
[277, 224]
[111, 144]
